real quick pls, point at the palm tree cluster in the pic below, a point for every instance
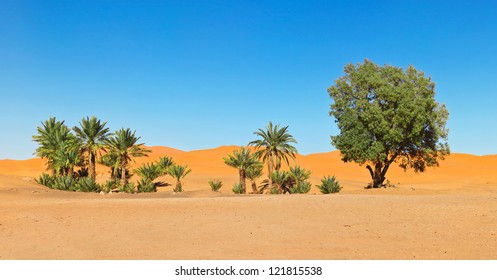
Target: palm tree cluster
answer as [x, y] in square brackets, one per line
[274, 147]
[91, 141]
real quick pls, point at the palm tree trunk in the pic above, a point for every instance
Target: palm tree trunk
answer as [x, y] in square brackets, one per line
[270, 170]
[124, 181]
[254, 187]
[241, 173]
[92, 166]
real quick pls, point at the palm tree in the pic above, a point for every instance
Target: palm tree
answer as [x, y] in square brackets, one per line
[51, 136]
[123, 144]
[254, 172]
[299, 174]
[67, 157]
[274, 146]
[92, 134]
[242, 160]
[178, 172]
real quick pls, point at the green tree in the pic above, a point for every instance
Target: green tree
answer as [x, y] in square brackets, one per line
[53, 138]
[274, 146]
[123, 145]
[178, 172]
[242, 160]
[253, 173]
[92, 134]
[388, 115]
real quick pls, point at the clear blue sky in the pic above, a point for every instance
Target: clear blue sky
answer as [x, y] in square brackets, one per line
[201, 74]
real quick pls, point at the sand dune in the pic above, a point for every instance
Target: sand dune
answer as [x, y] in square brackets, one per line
[449, 212]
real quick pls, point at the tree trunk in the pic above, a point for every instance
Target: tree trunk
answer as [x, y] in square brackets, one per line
[378, 174]
[124, 181]
[92, 166]
[270, 170]
[254, 187]
[179, 187]
[241, 174]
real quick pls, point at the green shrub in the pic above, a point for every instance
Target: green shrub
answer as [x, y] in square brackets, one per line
[46, 180]
[303, 187]
[146, 186]
[329, 185]
[64, 183]
[87, 184]
[274, 190]
[108, 186]
[128, 188]
[237, 188]
[215, 184]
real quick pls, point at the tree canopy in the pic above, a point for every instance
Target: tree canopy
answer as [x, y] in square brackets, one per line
[387, 115]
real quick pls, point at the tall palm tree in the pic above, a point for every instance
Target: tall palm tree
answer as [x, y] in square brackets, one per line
[178, 172]
[51, 137]
[274, 146]
[242, 160]
[253, 173]
[123, 144]
[92, 134]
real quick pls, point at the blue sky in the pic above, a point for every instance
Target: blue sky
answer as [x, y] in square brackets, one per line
[201, 74]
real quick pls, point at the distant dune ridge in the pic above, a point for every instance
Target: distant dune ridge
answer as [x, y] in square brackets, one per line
[457, 172]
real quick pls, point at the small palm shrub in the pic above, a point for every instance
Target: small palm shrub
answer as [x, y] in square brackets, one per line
[87, 184]
[108, 186]
[126, 188]
[64, 183]
[274, 190]
[303, 187]
[46, 180]
[237, 188]
[215, 184]
[146, 186]
[329, 185]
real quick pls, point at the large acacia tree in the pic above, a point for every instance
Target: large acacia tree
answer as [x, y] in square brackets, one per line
[387, 115]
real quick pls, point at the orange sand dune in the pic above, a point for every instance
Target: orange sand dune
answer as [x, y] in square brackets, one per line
[457, 173]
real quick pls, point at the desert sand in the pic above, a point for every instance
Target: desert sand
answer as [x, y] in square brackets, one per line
[449, 212]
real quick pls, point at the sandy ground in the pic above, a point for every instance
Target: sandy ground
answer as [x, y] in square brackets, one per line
[446, 213]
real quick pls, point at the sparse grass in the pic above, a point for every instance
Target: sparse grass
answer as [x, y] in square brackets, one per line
[329, 185]
[215, 184]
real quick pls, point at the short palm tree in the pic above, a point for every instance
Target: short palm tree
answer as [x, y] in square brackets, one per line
[67, 157]
[123, 145]
[280, 179]
[242, 160]
[274, 146]
[178, 172]
[253, 173]
[51, 137]
[299, 174]
[92, 134]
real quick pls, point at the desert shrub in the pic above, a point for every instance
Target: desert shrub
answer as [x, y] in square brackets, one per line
[274, 190]
[87, 184]
[215, 184]
[46, 180]
[64, 183]
[146, 186]
[303, 187]
[237, 188]
[127, 188]
[108, 185]
[329, 185]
